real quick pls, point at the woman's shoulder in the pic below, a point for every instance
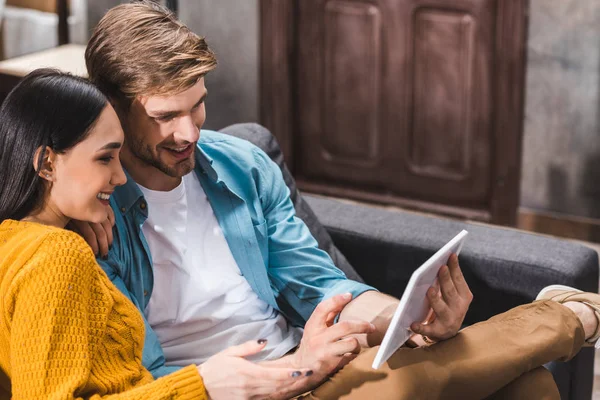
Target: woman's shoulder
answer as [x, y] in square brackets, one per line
[55, 251]
[28, 238]
[61, 246]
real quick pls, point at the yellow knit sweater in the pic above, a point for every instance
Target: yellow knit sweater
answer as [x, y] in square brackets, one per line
[66, 331]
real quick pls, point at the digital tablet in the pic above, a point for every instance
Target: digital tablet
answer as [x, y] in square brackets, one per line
[414, 306]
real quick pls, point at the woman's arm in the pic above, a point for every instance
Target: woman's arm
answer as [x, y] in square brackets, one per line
[58, 318]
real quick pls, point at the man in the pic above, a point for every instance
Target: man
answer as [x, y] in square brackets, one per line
[208, 247]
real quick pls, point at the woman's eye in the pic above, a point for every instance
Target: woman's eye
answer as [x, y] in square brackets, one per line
[106, 159]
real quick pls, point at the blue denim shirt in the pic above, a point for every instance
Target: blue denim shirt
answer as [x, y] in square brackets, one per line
[273, 248]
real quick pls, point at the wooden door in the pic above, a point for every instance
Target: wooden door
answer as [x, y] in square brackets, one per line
[410, 102]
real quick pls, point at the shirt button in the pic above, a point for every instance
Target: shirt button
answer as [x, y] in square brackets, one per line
[143, 206]
[123, 209]
[145, 293]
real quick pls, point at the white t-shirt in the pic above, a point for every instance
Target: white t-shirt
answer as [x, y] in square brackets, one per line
[201, 304]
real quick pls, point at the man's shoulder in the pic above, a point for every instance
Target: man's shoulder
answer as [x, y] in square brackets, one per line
[215, 139]
[228, 149]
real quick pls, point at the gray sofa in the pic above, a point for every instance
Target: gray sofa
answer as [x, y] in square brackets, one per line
[504, 267]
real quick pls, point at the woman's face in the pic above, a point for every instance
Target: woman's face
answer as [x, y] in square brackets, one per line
[86, 175]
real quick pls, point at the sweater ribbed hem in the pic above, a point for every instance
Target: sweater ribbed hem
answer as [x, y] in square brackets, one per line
[187, 384]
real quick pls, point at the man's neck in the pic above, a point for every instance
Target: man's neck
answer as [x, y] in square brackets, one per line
[147, 175]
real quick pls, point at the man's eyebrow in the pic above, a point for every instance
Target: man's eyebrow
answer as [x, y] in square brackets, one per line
[173, 113]
[201, 99]
[110, 146]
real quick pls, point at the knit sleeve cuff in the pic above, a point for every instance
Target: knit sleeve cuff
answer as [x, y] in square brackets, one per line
[187, 384]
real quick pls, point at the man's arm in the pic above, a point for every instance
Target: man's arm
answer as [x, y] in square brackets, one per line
[301, 274]
[450, 300]
[374, 307]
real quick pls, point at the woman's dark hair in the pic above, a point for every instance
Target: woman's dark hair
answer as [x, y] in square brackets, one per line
[48, 109]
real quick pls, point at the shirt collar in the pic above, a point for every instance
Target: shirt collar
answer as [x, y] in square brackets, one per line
[127, 195]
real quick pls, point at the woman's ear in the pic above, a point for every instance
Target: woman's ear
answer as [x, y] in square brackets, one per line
[43, 162]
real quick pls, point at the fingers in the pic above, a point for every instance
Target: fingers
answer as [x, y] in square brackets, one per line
[280, 375]
[111, 216]
[319, 317]
[443, 314]
[346, 346]
[98, 236]
[107, 226]
[430, 317]
[330, 318]
[458, 278]
[437, 304]
[245, 349]
[346, 328]
[89, 236]
[346, 358]
[101, 238]
[228, 375]
[264, 381]
[447, 287]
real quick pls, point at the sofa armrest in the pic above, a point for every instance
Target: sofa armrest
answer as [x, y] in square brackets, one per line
[504, 267]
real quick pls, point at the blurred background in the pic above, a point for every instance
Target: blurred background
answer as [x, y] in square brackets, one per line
[485, 110]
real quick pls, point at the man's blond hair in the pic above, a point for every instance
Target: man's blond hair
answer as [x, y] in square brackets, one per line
[141, 49]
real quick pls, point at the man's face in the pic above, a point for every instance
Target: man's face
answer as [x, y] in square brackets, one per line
[162, 131]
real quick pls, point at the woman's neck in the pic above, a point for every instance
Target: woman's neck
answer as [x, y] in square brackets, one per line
[48, 216]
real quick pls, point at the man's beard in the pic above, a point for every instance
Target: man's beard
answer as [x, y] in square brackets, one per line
[145, 154]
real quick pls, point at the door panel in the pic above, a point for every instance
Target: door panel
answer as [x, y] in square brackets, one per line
[339, 91]
[448, 135]
[352, 62]
[408, 102]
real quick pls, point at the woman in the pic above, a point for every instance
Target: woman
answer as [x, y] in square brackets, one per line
[65, 330]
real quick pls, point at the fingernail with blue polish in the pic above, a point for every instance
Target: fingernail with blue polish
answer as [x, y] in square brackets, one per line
[309, 372]
[296, 374]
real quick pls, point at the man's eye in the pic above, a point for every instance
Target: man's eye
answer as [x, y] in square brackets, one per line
[166, 118]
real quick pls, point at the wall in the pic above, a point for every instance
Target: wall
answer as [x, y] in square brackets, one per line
[561, 144]
[97, 8]
[231, 30]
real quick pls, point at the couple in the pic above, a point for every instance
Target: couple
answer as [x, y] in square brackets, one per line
[212, 287]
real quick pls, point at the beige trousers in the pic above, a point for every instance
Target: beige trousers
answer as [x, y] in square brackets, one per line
[500, 358]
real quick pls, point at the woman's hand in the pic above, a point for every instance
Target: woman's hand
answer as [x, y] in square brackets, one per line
[228, 376]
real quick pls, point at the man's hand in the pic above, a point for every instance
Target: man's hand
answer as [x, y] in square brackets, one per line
[449, 299]
[228, 376]
[98, 236]
[326, 347]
